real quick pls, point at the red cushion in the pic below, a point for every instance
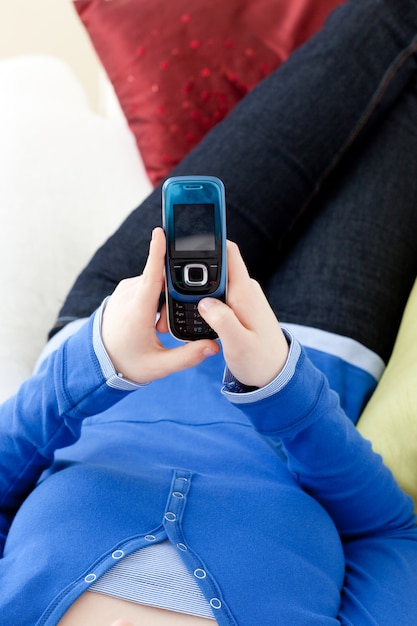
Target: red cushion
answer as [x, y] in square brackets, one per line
[179, 66]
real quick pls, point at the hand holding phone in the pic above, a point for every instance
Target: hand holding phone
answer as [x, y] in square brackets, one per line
[254, 346]
[194, 220]
[128, 328]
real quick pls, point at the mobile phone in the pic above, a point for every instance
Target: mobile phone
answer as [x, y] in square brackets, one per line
[194, 220]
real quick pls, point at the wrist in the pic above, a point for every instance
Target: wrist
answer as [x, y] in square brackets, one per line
[114, 379]
[240, 393]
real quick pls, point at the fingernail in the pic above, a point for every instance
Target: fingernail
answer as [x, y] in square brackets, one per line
[206, 303]
[209, 352]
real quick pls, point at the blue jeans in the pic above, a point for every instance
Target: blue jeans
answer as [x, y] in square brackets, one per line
[320, 168]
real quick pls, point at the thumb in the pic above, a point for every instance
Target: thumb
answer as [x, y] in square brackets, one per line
[238, 342]
[221, 318]
[191, 353]
[183, 357]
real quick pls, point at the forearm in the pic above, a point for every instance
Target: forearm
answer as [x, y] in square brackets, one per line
[374, 518]
[330, 458]
[47, 414]
[337, 467]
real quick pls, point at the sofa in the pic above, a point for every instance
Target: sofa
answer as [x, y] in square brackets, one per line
[69, 177]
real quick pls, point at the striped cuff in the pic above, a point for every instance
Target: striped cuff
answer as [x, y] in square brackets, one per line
[114, 379]
[237, 393]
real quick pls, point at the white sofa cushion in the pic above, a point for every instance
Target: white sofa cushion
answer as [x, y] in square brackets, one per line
[68, 178]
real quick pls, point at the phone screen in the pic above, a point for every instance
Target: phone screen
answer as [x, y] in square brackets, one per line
[194, 228]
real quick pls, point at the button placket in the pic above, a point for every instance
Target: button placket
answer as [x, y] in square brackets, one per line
[178, 496]
[215, 603]
[176, 503]
[90, 578]
[118, 554]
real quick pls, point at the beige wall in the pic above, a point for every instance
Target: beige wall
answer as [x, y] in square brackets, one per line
[49, 27]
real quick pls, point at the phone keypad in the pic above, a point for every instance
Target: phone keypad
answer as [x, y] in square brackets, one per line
[188, 321]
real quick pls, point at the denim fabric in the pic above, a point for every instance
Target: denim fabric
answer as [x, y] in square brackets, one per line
[351, 262]
[303, 139]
